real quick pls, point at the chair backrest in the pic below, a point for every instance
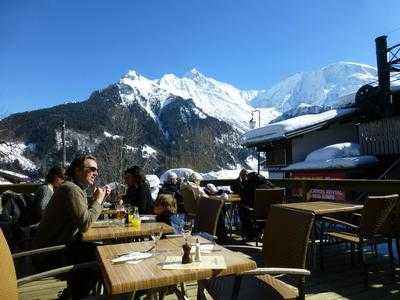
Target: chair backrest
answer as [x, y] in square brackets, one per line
[264, 198]
[189, 201]
[375, 214]
[286, 236]
[8, 277]
[395, 227]
[208, 213]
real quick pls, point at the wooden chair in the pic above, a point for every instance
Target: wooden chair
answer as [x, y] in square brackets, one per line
[375, 218]
[9, 284]
[189, 202]
[286, 237]
[263, 200]
[208, 213]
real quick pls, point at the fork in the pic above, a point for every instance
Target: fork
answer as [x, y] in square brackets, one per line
[126, 253]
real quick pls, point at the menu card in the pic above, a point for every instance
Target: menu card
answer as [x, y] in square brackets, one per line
[207, 262]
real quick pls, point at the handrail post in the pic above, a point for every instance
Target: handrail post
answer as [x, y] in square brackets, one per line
[304, 186]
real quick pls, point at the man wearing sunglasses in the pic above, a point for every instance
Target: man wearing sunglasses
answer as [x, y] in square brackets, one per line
[67, 215]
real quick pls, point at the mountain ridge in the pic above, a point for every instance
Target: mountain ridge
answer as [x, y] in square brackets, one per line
[193, 121]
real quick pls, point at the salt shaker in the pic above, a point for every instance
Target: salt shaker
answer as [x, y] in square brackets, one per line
[197, 251]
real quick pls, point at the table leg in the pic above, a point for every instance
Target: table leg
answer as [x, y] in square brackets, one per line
[321, 241]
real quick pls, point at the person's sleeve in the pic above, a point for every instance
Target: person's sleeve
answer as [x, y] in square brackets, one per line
[149, 201]
[142, 201]
[82, 215]
[47, 194]
[235, 187]
[37, 205]
[39, 195]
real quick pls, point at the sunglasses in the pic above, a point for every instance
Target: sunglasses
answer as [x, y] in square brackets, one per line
[93, 169]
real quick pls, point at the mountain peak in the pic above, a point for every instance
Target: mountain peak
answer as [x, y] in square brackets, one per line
[322, 87]
[132, 74]
[194, 74]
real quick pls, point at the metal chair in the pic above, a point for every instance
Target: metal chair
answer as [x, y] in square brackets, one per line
[285, 245]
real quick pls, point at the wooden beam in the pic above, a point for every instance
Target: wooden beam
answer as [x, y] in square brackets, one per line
[24, 188]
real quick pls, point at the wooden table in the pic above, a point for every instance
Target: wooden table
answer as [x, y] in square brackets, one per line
[148, 274]
[320, 209]
[125, 231]
[233, 198]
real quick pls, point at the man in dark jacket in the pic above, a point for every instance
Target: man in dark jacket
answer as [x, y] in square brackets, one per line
[248, 190]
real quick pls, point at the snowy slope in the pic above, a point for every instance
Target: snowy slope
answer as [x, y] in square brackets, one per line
[321, 87]
[217, 99]
[15, 151]
[329, 86]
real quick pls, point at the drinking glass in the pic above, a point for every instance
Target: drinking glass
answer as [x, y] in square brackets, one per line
[187, 228]
[120, 215]
[156, 236]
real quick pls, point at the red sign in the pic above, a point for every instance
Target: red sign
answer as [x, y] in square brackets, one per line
[319, 193]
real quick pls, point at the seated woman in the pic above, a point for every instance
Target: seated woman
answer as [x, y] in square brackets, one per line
[54, 179]
[138, 192]
[165, 208]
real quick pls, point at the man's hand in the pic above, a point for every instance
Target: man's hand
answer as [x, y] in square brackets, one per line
[108, 191]
[99, 194]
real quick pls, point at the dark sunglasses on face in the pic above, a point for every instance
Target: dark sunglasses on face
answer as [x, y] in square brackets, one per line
[93, 169]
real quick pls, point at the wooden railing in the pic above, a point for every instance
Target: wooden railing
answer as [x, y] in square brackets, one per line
[24, 188]
[354, 185]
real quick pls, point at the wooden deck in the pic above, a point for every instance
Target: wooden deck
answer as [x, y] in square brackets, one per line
[339, 280]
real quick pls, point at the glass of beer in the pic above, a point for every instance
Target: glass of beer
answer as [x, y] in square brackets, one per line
[120, 214]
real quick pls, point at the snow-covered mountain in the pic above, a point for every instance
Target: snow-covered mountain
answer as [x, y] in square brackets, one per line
[193, 119]
[217, 99]
[321, 87]
[328, 86]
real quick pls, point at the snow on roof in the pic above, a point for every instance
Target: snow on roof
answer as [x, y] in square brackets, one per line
[282, 129]
[335, 151]
[334, 163]
[337, 156]
[13, 176]
[14, 151]
[4, 181]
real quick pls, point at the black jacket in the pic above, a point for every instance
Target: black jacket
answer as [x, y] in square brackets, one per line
[141, 197]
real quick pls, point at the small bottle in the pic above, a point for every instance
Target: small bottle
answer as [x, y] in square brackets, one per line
[136, 217]
[197, 256]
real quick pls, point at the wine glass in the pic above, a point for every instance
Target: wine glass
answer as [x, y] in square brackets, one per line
[187, 228]
[156, 236]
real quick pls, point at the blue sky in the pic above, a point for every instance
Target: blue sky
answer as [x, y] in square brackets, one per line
[55, 51]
